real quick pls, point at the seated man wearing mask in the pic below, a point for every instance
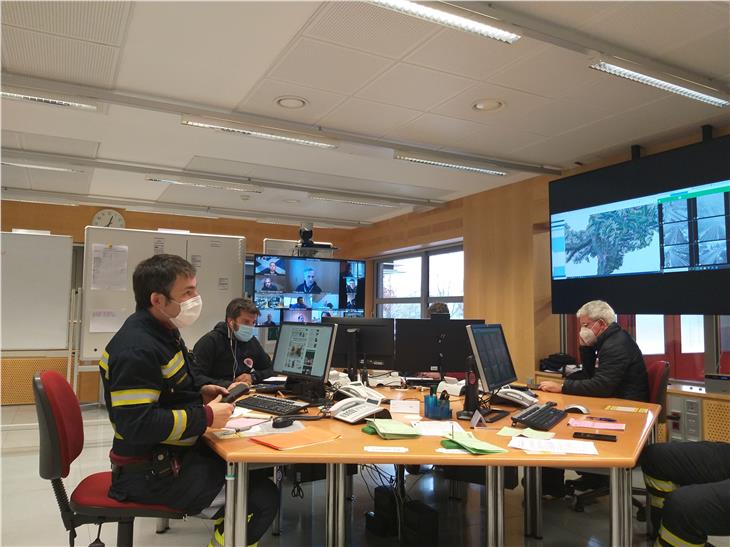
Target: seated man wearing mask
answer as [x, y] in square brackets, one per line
[157, 412]
[230, 352]
[613, 366]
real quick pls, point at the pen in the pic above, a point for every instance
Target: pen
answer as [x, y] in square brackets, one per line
[600, 419]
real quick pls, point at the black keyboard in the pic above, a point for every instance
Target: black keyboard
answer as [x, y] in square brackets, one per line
[272, 405]
[542, 417]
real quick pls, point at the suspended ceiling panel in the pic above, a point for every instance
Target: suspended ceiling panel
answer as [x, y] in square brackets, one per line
[365, 27]
[368, 117]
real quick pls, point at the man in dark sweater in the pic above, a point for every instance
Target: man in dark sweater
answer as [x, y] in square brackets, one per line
[613, 366]
[230, 352]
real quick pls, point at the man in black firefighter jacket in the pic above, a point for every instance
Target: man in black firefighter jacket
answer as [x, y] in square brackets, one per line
[230, 352]
[158, 414]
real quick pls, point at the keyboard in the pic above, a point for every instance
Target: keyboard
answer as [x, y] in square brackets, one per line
[542, 417]
[272, 405]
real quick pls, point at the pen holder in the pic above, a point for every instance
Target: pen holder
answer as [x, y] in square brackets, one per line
[436, 409]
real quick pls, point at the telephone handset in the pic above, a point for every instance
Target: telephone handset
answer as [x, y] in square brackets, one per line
[361, 391]
[353, 410]
[515, 396]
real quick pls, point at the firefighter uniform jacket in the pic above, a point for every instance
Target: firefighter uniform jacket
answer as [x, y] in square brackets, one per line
[155, 408]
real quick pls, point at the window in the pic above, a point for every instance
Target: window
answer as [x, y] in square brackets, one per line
[678, 339]
[408, 284]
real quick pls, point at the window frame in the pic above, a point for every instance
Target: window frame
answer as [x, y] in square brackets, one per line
[424, 299]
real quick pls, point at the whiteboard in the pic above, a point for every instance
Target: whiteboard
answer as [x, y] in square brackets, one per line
[110, 257]
[36, 288]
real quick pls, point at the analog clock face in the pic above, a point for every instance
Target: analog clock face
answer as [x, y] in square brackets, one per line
[108, 218]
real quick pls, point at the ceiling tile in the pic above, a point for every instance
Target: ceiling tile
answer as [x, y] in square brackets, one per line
[414, 87]
[47, 56]
[58, 145]
[555, 117]
[612, 94]
[552, 72]
[708, 55]
[10, 139]
[15, 177]
[123, 184]
[495, 141]
[515, 102]
[212, 53]
[221, 166]
[329, 67]
[654, 27]
[262, 100]
[568, 14]
[468, 55]
[50, 181]
[367, 117]
[370, 28]
[434, 130]
[100, 22]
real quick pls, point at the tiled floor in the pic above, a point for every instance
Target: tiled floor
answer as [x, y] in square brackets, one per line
[30, 516]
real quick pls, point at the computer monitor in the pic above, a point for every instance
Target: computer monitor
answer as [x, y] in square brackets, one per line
[374, 341]
[492, 358]
[304, 355]
[421, 343]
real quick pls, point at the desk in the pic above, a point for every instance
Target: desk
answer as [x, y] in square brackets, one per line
[620, 457]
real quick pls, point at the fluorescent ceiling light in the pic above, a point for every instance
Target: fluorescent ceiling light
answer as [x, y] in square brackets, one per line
[354, 200]
[273, 135]
[448, 165]
[42, 167]
[231, 186]
[47, 100]
[160, 211]
[447, 19]
[663, 83]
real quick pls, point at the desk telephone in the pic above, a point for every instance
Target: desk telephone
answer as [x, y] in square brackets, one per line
[515, 396]
[361, 391]
[354, 409]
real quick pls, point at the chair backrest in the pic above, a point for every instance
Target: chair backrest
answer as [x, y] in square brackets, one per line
[60, 425]
[658, 373]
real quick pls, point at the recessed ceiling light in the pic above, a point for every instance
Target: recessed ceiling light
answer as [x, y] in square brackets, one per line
[291, 102]
[450, 165]
[42, 167]
[47, 100]
[487, 105]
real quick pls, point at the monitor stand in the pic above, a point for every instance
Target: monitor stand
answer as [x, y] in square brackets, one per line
[311, 391]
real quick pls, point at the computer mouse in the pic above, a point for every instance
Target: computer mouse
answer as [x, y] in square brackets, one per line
[281, 421]
[576, 409]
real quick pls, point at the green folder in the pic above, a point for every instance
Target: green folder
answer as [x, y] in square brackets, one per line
[468, 441]
[393, 429]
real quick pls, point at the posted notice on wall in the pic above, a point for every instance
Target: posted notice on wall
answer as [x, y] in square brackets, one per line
[106, 320]
[109, 267]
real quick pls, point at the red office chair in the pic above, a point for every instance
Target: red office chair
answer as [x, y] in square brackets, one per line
[658, 373]
[61, 440]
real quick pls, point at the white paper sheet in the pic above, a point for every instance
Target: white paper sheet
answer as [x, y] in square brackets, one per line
[554, 446]
[405, 407]
[106, 320]
[109, 267]
[436, 429]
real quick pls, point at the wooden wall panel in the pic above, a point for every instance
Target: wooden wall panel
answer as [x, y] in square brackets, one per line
[67, 220]
[504, 267]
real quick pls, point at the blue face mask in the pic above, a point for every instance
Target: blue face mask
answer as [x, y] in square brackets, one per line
[244, 333]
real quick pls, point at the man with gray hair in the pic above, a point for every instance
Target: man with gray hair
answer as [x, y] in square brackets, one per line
[612, 362]
[612, 367]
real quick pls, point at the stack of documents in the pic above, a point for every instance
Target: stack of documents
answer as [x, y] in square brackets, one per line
[554, 446]
[467, 441]
[527, 432]
[393, 429]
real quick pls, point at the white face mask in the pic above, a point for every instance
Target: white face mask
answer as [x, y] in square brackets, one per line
[189, 312]
[588, 337]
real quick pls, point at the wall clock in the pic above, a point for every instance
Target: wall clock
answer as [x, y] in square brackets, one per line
[108, 218]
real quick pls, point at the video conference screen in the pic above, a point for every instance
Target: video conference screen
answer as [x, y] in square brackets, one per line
[306, 289]
[648, 236]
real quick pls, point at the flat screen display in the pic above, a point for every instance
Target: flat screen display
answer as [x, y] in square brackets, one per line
[304, 351]
[492, 357]
[307, 289]
[647, 236]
